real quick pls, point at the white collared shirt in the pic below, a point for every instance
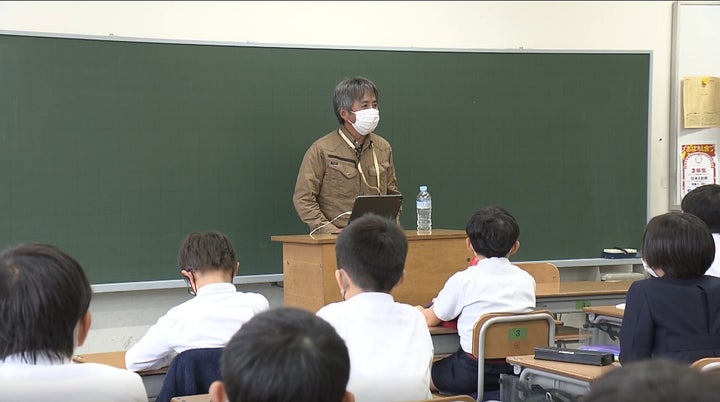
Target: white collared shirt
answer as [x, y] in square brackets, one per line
[62, 380]
[494, 285]
[208, 320]
[714, 269]
[389, 345]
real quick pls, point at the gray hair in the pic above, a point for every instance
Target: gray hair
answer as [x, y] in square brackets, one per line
[350, 90]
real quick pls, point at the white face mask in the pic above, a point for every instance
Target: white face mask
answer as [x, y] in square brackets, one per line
[366, 121]
[649, 270]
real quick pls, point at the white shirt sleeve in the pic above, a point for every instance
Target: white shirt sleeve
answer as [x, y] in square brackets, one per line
[449, 302]
[153, 350]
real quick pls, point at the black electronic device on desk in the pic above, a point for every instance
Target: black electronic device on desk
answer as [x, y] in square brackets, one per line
[619, 252]
[574, 356]
[383, 205]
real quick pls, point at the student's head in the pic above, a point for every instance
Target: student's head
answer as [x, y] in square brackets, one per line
[281, 355]
[679, 244]
[704, 202]
[493, 232]
[352, 90]
[207, 253]
[372, 251]
[654, 380]
[44, 300]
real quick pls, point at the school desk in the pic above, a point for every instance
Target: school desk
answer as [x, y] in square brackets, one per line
[309, 273]
[309, 267]
[152, 379]
[572, 297]
[445, 340]
[206, 398]
[571, 377]
[604, 319]
[192, 398]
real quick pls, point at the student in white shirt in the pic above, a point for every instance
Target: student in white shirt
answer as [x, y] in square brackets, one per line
[207, 261]
[389, 343]
[704, 202]
[284, 354]
[492, 285]
[44, 299]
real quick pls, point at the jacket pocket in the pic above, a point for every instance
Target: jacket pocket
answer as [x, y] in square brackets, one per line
[342, 177]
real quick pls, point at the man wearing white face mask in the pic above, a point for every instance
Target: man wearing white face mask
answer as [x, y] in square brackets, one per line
[349, 161]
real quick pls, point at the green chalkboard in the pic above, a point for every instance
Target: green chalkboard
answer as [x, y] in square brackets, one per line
[114, 150]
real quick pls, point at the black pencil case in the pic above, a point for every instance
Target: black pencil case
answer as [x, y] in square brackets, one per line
[574, 356]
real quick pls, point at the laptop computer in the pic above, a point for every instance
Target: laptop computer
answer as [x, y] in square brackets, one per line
[383, 205]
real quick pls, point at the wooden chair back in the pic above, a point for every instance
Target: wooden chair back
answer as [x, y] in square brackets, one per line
[452, 398]
[192, 398]
[707, 364]
[543, 272]
[498, 335]
[546, 272]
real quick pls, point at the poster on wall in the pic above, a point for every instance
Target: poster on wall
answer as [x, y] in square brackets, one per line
[698, 166]
[701, 102]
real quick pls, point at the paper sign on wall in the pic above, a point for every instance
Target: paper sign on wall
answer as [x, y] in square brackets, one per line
[701, 102]
[698, 166]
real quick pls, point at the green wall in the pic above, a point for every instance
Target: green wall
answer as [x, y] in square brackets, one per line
[115, 150]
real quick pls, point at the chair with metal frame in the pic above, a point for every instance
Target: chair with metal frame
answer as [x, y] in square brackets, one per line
[499, 335]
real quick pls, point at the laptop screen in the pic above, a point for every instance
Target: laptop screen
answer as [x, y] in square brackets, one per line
[383, 205]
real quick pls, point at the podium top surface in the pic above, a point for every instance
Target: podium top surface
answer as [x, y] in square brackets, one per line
[331, 238]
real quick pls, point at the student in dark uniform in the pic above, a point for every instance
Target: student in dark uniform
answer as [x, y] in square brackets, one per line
[676, 313]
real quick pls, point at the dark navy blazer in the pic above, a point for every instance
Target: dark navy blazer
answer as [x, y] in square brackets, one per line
[672, 318]
[191, 373]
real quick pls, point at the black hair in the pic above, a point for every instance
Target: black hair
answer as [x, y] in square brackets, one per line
[202, 251]
[286, 355]
[372, 250]
[678, 243]
[704, 202]
[350, 90]
[654, 380]
[43, 295]
[492, 232]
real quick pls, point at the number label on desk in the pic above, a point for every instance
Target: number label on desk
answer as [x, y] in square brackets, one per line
[580, 304]
[516, 334]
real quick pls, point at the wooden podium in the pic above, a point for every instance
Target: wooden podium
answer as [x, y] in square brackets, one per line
[309, 266]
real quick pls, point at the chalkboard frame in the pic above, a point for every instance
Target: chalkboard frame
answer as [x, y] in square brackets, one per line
[407, 185]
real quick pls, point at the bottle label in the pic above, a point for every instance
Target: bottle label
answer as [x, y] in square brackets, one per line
[424, 204]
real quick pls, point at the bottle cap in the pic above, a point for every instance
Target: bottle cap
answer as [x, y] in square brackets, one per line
[423, 188]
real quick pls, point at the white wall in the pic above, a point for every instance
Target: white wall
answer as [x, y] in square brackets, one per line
[566, 25]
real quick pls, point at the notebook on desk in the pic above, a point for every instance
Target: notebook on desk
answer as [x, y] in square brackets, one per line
[383, 205]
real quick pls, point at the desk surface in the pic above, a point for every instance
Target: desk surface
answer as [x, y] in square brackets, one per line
[115, 359]
[440, 330]
[192, 398]
[411, 235]
[584, 372]
[582, 288]
[608, 311]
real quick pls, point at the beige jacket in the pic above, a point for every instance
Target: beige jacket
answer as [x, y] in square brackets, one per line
[329, 180]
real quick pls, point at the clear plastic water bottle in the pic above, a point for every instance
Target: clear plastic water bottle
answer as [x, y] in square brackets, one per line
[424, 211]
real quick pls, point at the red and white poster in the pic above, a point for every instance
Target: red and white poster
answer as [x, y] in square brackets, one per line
[698, 166]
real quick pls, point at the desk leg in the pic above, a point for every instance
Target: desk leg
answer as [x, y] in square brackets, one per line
[604, 325]
[445, 344]
[153, 383]
[549, 380]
